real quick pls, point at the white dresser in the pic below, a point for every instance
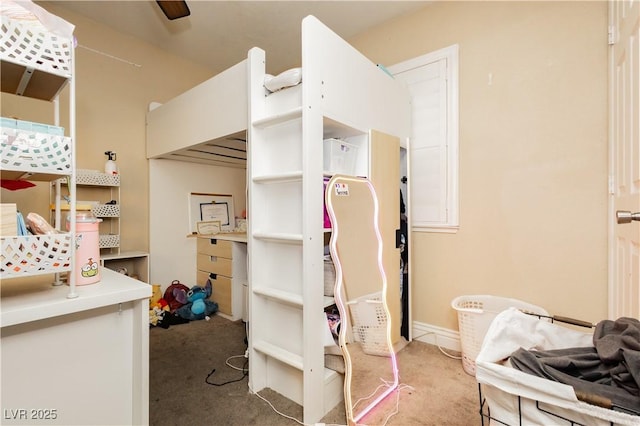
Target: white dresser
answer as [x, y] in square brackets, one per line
[222, 258]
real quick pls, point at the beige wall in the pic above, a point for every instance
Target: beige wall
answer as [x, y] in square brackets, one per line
[112, 99]
[533, 154]
[533, 145]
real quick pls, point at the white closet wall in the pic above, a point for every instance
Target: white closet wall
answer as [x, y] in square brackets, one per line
[172, 254]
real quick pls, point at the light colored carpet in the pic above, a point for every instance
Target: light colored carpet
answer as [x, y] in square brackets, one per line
[434, 388]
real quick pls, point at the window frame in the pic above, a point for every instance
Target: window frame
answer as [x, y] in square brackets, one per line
[452, 202]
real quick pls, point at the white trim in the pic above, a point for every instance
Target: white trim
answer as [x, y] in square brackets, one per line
[434, 335]
[445, 229]
[611, 258]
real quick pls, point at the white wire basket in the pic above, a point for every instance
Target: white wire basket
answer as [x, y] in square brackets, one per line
[109, 241]
[106, 210]
[370, 324]
[475, 314]
[95, 178]
[34, 152]
[35, 254]
[28, 43]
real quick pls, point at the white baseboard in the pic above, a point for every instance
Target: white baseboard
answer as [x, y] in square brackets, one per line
[443, 337]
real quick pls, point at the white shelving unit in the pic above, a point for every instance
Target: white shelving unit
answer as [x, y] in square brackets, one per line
[135, 262]
[342, 95]
[95, 186]
[37, 64]
[101, 188]
[109, 213]
[50, 341]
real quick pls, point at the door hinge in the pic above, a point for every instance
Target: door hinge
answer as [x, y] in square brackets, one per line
[611, 36]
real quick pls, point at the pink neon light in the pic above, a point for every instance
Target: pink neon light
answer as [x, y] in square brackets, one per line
[382, 396]
[341, 305]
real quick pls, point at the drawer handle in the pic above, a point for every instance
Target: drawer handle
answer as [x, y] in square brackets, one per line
[213, 241]
[213, 276]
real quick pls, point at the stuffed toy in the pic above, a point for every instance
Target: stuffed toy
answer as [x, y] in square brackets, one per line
[157, 312]
[156, 315]
[176, 295]
[156, 294]
[198, 305]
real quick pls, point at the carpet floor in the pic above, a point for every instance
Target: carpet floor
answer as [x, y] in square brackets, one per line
[198, 376]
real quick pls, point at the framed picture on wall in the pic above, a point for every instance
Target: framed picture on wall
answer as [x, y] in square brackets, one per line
[208, 207]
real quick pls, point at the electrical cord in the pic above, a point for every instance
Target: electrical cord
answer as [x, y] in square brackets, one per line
[437, 345]
[244, 369]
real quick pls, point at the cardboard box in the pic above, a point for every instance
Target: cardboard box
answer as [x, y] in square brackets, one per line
[8, 220]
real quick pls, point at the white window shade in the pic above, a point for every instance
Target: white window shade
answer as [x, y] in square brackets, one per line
[432, 81]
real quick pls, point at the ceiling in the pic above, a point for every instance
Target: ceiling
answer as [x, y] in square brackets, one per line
[218, 34]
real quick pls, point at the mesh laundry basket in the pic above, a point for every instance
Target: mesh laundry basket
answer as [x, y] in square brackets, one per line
[475, 314]
[370, 324]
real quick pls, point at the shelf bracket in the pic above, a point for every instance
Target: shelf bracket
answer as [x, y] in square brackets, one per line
[24, 81]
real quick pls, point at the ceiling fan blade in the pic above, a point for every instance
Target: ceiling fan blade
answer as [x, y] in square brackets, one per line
[174, 9]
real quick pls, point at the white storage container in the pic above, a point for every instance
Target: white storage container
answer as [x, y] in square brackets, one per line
[475, 314]
[339, 156]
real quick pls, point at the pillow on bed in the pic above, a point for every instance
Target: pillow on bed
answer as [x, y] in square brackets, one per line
[283, 80]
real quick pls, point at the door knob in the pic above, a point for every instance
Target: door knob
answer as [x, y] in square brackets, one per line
[624, 216]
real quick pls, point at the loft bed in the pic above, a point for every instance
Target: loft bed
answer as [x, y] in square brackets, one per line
[337, 93]
[206, 124]
[342, 95]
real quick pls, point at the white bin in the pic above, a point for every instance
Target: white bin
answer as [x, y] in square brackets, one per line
[475, 314]
[339, 157]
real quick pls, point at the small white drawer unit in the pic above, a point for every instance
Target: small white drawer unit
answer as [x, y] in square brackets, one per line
[222, 258]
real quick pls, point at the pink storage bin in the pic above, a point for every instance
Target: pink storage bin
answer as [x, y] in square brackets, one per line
[327, 221]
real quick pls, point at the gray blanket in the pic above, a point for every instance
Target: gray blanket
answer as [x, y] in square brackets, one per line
[609, 371]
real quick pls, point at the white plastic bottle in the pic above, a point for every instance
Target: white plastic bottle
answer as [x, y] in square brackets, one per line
[110, 166]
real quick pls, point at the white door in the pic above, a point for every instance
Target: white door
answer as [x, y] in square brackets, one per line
[624, 141]
[385, 165]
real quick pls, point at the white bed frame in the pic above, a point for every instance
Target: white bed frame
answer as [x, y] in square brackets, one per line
[342, 94]
[188, 127]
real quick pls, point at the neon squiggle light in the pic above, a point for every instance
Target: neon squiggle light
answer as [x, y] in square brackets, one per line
[331, 186]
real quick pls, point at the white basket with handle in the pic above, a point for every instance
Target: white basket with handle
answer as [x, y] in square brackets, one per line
[475, 314]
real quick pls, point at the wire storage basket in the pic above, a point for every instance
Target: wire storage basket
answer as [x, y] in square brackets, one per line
[475, 314]
[370, 324]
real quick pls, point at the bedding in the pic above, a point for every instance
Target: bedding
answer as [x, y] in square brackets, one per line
[288, 78]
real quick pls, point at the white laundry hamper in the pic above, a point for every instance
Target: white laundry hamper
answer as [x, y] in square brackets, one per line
[475, 314]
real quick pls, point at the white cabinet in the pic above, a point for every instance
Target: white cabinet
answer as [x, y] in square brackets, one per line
[86, 360]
